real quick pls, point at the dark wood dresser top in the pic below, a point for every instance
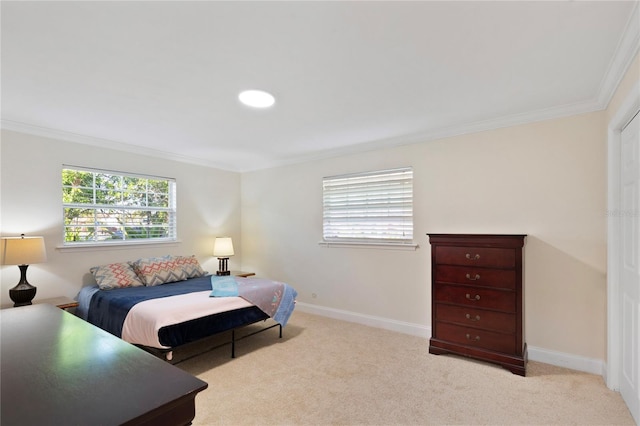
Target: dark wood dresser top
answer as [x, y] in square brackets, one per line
[59, 369]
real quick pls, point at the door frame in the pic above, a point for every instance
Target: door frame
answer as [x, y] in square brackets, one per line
[625, 113]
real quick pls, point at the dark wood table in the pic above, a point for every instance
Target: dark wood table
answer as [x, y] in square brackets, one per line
[59, 369]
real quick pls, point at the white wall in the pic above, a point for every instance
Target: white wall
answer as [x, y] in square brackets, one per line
[547, 180]
[30, 194]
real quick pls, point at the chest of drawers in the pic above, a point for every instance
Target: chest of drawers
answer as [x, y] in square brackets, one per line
[477, 298]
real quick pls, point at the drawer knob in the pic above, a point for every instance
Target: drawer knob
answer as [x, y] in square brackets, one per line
[470, 318]
[473, 338]
[474, 257]
[476, 297]
[474, 278]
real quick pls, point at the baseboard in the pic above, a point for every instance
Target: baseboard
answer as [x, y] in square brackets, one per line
[560, 359]
[370, 320]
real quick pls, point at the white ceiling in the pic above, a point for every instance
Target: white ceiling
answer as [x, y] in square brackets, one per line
[162, 78]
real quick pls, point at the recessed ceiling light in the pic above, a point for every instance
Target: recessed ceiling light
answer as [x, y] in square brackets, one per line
[257, 98]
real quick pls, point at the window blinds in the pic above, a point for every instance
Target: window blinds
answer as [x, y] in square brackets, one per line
[369, 207]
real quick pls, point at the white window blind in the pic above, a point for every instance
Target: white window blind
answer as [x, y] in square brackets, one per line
[369, 207]
[106, 207]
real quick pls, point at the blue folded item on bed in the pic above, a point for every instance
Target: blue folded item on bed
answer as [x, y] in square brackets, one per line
[224, 286]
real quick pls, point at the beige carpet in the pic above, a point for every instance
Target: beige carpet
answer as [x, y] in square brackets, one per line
[330, 372]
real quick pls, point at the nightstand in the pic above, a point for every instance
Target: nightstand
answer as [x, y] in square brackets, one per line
[61, 302]
[242, 274]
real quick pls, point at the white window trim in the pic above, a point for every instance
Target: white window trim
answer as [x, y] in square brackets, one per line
[121, 245]
[366, 245]
[114, 244]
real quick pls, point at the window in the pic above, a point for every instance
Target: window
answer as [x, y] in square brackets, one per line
[107, 207]
[373, 207]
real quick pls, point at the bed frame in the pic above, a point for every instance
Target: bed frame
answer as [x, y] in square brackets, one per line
[167, 354]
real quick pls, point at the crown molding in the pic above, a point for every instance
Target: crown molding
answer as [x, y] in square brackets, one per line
[445, 132]
[442, 133]
[626, 51]
[106, 143]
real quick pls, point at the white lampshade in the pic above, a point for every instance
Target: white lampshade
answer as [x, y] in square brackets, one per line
[23, 250]
[223, 247]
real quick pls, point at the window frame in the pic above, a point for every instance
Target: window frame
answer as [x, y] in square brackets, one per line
[345, 186]
[171, 209]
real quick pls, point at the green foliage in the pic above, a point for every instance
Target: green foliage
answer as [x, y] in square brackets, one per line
[102, 206]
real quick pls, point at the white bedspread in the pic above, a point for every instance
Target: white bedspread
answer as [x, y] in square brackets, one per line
[145, 319]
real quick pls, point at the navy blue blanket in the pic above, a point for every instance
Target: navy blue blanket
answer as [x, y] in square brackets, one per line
[108, 309]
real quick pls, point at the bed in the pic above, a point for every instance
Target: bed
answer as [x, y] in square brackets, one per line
[161, 315]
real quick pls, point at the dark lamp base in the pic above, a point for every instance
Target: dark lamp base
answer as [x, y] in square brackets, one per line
[23, 293]
[222, 266]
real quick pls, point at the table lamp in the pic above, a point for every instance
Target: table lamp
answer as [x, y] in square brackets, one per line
[23, 251]
[222, 249]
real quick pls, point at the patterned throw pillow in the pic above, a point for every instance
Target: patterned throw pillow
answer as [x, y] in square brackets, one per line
[190, 266]
[115, 275]
[154, 271]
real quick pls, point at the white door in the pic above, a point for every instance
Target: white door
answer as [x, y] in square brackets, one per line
[630, 265]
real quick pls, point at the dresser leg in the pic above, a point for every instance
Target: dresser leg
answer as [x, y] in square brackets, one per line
[515, 369]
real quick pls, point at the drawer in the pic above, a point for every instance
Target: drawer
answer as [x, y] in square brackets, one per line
[500, 278]
[475, 297]
[497, 342]
[476, 256]
[479, 318]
